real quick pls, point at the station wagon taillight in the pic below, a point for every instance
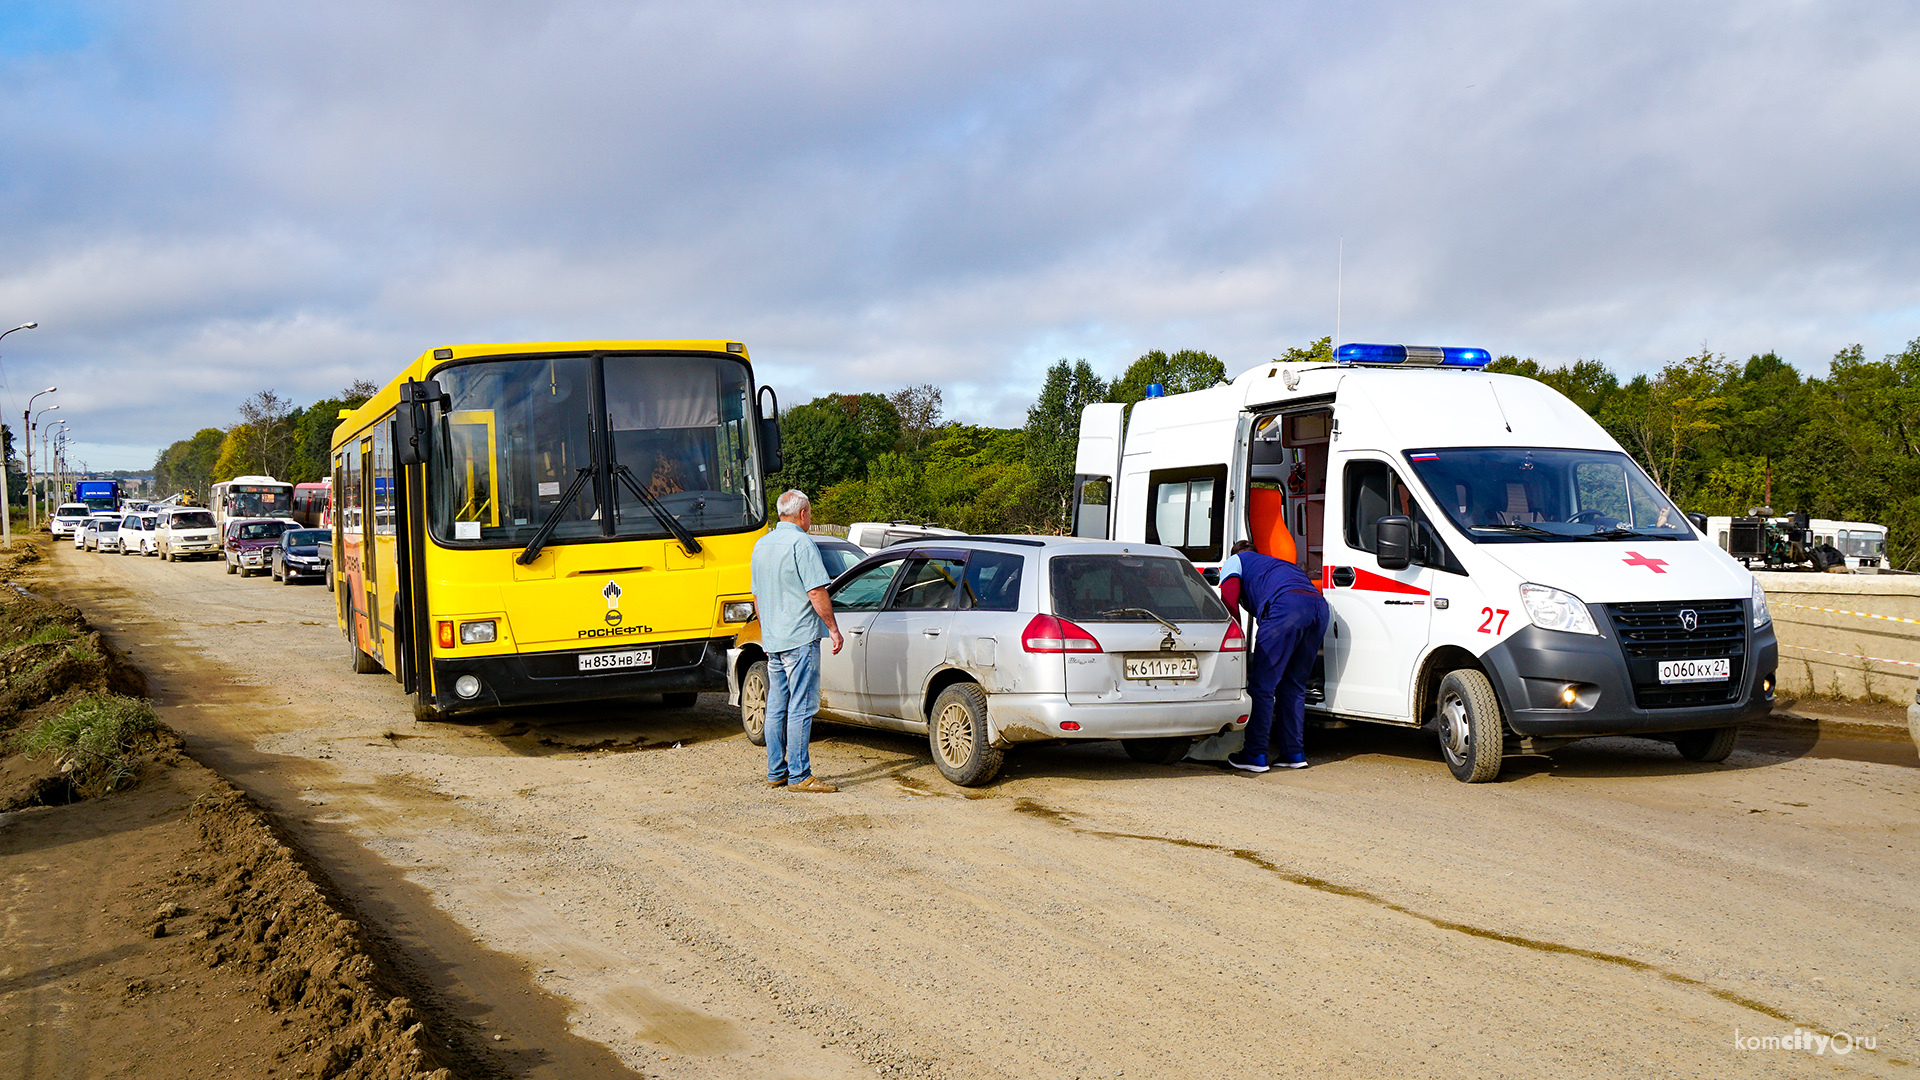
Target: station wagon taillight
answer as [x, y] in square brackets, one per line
[1047, 633]
[1234, 641]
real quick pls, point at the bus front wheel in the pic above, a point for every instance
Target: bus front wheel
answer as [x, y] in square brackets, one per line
[362, 663]
[753, 703]
[1472, 734]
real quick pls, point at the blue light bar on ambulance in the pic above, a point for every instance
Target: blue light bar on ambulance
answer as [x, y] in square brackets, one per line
[1412, 354]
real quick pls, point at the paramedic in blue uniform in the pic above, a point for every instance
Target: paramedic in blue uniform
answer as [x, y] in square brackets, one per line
[1292, 619]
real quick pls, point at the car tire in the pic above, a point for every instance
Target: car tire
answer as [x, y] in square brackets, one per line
[329, 577]
[753, 703]
[232, 569]
[1157, 751]
[957, 735]
[1707, 745]
[285, 577]
[1472, 732]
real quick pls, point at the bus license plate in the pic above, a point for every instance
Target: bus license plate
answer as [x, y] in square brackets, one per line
[614, 661]
[1688, 671]
[1163, 667]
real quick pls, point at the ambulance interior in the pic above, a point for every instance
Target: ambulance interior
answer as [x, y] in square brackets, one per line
[1287, 487]
[1287, 497]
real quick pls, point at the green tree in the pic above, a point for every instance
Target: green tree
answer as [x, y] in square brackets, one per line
[833, 438]
[1053, 435]
[1188, 369]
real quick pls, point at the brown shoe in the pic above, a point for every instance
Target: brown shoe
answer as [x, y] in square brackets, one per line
[782, 782]
[812, 783]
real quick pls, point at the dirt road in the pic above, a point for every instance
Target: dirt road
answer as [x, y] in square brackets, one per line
[1616, 911]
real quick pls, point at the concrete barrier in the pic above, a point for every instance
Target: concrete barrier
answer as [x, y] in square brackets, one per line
[1826, 649]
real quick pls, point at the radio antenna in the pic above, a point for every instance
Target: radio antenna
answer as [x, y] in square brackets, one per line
[1339, 292]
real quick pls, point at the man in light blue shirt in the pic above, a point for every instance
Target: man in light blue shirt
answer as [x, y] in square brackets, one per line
[790, 598]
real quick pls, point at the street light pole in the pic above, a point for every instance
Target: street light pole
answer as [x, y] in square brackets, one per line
[47, 445]
[6, 500]
[32, 489]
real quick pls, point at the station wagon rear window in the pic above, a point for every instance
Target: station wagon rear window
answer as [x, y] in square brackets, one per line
[1124, 588]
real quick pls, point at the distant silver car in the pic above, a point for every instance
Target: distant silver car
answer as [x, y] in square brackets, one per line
[102, 534]
[1913, 717]
[983, 643]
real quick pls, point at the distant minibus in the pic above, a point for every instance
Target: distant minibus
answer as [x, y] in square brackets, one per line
[554, 522]
[250, 497]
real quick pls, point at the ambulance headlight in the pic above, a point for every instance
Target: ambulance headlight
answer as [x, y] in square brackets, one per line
[1761, 616]
[1552, 609]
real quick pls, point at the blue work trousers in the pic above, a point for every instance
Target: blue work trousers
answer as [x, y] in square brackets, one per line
[1285, 644]
[793, 696]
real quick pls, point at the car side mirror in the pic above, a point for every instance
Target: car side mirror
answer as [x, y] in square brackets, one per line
[1393, 542]
[1699, 521]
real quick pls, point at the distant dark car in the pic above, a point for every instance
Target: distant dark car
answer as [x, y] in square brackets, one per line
[297, 555]
[249, 543]
[838, 555]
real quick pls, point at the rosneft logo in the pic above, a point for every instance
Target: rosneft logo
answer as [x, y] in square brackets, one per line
[613, 618]
[615, 631]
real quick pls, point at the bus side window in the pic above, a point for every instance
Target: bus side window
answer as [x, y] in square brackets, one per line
[350, 489]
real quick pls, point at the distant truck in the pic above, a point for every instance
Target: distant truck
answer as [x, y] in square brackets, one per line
[101, 496]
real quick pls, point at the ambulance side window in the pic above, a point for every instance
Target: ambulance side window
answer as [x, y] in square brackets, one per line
[1375, 491]
[1185, 509]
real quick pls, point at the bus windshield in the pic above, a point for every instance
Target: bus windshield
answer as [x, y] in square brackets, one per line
[1521, 495]
[258, 500]
[519, 446]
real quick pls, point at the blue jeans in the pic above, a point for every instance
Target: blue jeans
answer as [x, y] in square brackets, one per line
[793, 696]
[1285, 645]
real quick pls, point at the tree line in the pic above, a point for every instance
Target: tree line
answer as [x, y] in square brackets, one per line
[1720, 436]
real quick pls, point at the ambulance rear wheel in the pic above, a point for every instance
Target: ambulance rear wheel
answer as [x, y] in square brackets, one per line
[1708, 744]
[1472, 733]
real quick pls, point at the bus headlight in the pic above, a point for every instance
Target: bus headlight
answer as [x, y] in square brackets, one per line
[478, 633]
[1552, 609]
[737, 611]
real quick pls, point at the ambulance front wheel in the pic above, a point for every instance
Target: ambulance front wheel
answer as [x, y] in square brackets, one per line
[1708, 745]
[1472, 733]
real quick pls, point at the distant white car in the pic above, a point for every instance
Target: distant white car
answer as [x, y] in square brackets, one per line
[186, 532]
[1913, 717]
[874, 535]
[103, 534]
[69, 517]
[136, 534]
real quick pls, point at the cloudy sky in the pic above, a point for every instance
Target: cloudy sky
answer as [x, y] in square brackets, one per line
[204, 198]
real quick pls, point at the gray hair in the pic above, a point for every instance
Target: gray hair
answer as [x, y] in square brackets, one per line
[792, 503]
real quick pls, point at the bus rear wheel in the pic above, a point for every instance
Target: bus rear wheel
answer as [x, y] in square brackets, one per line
[1472, 733]
[681, 700]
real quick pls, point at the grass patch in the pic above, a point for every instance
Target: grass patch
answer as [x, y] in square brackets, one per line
[82, 651]
[49, 633]
[93, 739]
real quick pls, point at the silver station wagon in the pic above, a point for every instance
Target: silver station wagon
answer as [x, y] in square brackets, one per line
[983, 643]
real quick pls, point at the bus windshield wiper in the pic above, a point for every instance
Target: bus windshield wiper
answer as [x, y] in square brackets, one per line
[652, 503]
[1143, 611]
[552, 521]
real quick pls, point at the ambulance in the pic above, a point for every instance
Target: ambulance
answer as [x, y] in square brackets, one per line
[1497, 566]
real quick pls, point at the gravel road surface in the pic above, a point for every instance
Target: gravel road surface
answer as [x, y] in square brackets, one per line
[608, 887]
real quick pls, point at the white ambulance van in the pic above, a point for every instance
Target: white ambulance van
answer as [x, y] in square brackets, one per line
[1497, 566]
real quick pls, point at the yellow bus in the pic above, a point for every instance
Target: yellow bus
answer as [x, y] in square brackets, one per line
[552, 522]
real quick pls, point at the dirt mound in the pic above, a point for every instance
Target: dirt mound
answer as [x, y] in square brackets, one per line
[214, 940]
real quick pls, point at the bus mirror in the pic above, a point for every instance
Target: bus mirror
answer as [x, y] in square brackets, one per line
[1393, 542]
[770, 444]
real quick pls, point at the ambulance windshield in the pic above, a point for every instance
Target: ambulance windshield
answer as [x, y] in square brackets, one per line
[1520, 495]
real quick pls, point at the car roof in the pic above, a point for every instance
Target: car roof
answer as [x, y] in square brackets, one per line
[1048, 545]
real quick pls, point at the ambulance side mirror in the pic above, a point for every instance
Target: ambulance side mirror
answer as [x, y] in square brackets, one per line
[1699, 521]
[1393, 542]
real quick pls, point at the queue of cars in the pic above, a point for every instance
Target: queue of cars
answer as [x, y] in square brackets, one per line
[276, 546]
